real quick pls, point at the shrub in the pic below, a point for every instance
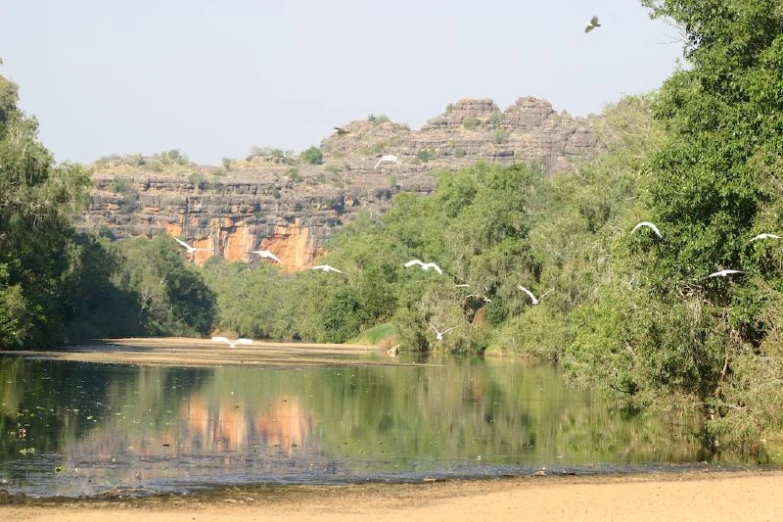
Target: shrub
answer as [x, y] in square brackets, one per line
[381, 118]
[471, 123]
[312, 156]
[293, 173]
[424, 155]
[459, 153]
[449, 108]
[500, 136]
[227, 163]
[496, 118]
[196, 178]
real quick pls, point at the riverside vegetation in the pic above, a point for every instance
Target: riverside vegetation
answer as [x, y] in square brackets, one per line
[630, 313]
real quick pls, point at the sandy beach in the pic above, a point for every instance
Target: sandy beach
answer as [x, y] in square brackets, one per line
[688, 497]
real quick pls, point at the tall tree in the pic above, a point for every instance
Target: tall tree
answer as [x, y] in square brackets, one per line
[715, 182]
[36, 199]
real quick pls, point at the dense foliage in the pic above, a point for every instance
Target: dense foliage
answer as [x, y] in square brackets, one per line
[57, 286]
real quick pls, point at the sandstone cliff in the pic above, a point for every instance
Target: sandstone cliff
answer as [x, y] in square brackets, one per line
[275, 202]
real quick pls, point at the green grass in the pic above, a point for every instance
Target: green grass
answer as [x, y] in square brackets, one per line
[375, 335]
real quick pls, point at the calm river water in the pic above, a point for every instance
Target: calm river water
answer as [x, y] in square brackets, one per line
[76, 429]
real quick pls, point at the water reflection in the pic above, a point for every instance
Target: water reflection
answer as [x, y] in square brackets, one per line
[81, 429]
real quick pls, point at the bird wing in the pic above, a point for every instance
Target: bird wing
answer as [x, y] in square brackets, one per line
[528, 292]
[379, 162]
[318, 267]
[242, 340]
[594, 21]
[589, 28]
[267, 254]
[413, 262]
[448, 330]
[221, 340]
[647, 224]
[427, 266]
[433, 327]
[765, 235]
[183, 243]
[722, 273]
[544, 294]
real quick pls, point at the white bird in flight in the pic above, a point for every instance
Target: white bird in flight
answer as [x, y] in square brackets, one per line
[724, 273]
[440, 335]
[267, 254]
[388, 158]
[231, 343]
[326, 268]
[592, 24]
[190, 248]
[651, 226]
[425, 266]
[765, 235]
[533, 297]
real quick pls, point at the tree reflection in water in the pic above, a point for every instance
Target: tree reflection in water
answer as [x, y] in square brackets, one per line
[170, 429]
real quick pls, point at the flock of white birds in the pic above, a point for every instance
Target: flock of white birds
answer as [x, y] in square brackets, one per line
[720, 273]
[389, 158]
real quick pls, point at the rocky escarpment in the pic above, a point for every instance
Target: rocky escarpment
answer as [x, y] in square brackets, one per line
[283, 204]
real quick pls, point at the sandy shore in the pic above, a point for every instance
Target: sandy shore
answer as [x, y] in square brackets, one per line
[689, 497]
[186, 351]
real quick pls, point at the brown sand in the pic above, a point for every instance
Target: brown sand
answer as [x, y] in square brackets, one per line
[185, 351]
[692, 497]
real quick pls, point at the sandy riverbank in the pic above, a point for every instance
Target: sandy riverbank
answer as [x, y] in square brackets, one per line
[688, 497]
[186, 351]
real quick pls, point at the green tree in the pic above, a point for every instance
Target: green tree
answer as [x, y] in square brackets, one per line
[312, 156]
[712, 185]
[36, 200]
[173, 298]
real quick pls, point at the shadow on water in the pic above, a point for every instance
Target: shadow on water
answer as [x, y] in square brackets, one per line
[73, 429]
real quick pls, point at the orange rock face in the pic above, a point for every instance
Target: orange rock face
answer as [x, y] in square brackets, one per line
[293, 245]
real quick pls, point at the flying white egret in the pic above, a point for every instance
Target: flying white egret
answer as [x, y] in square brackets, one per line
[388, 158]
[440, 335]
[267, 254]
[231, 343]
[649, 225]
[765, 235]
[533, 297]
[592, 24]
[425, 266]
[724, 273]
[327, 268]
[190, 248]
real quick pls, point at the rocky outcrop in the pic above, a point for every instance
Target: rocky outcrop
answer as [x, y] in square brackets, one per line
[280, 204]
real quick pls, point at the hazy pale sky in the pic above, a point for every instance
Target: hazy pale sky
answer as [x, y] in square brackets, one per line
[214, 78]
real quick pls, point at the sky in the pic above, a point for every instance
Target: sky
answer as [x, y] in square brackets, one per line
[215, 78]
